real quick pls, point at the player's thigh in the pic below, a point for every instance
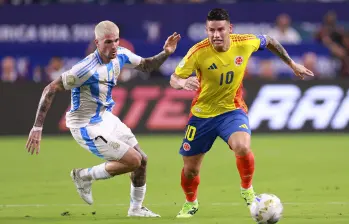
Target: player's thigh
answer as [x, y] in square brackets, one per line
[120, 130]
[100, 142]
[234, 129]
[199, 136]
[240, 142]
[132, 158]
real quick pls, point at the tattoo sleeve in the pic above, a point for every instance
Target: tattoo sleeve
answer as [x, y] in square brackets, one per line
[139, 176]
[45, 101]
[150, 64]
[275, 47]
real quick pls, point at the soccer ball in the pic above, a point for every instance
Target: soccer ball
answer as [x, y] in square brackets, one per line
[266, 209]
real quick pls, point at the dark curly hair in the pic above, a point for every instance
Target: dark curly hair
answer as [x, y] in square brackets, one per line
[218, 14]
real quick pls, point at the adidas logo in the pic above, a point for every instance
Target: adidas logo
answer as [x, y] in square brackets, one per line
[213, 66]
[243, 126]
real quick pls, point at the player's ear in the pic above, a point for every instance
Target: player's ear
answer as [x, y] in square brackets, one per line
[230, 28]
[96, 42]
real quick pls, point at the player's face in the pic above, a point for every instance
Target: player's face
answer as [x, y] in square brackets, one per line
[108, 45]
[218, 33]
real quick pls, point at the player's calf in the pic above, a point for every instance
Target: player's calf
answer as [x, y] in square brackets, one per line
[190, 172]
[239, 142]
[138, 190]
[138, 176]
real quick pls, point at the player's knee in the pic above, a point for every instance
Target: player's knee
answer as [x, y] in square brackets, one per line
[135, 161]
[241, 148]
[144, 161]
[190, 172]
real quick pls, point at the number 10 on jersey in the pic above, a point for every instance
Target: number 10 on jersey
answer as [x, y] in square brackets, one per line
[190, 133]
[227, 78]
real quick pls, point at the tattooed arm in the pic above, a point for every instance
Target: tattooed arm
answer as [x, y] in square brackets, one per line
[46, 99]
[150, 64]
[44, 105]
[275, 47]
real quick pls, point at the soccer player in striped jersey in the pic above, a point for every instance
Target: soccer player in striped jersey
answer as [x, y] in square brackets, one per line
[218, 110]
[90, 120]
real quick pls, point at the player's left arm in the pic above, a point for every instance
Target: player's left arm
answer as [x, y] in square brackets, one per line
[275, 47]
[150, 64]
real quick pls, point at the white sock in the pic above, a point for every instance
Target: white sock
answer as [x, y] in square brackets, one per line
[137, 196]
[95, 173]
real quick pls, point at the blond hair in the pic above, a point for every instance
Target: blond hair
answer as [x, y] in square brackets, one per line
[105, 27]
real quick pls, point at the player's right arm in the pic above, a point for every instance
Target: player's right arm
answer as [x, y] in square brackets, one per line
[181, 79]
[70, 79]
[46, 99]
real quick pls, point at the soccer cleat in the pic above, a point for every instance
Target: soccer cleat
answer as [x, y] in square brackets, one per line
[249, 195]
[82, 186]
[141, 212]
[188, 210]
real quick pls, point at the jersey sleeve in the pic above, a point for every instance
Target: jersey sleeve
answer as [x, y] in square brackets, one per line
[128, 58]
[79, 73]
[71, 79]
[187, 65]
[259, 42]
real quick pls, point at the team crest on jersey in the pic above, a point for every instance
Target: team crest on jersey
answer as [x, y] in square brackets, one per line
[239, 60]
[111, 73]
[116, 69]
[186, 146]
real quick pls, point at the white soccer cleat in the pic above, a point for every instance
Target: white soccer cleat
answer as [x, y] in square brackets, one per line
[82, 186]
[141, 212]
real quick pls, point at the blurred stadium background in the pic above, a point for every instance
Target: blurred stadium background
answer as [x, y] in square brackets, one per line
[299, 127]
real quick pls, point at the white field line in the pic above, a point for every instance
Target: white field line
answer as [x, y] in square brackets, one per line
[164, 204]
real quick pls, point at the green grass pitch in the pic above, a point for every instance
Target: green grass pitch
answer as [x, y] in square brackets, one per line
[308, 172]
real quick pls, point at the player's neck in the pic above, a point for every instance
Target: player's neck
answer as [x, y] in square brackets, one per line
[225, 48]
[105, 60]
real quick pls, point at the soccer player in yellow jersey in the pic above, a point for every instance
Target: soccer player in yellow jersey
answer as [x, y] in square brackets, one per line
[218, 109]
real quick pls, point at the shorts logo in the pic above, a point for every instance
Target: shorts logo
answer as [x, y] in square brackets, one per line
[243, 126]
[186, 146]
[239, 60]
[114, 145]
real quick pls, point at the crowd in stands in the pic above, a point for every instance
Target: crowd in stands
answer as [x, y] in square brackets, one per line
[331, 35]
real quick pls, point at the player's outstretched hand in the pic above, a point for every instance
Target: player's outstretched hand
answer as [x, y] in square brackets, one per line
[301, 71]
[33, 143]
[171, 43]
[192, 83]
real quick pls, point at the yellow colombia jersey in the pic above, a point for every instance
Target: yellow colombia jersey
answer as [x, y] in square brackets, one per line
[220, 74]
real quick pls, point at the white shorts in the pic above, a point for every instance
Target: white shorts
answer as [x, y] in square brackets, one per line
[109, 139]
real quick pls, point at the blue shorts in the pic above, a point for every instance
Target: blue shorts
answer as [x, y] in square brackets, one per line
[202, 132]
